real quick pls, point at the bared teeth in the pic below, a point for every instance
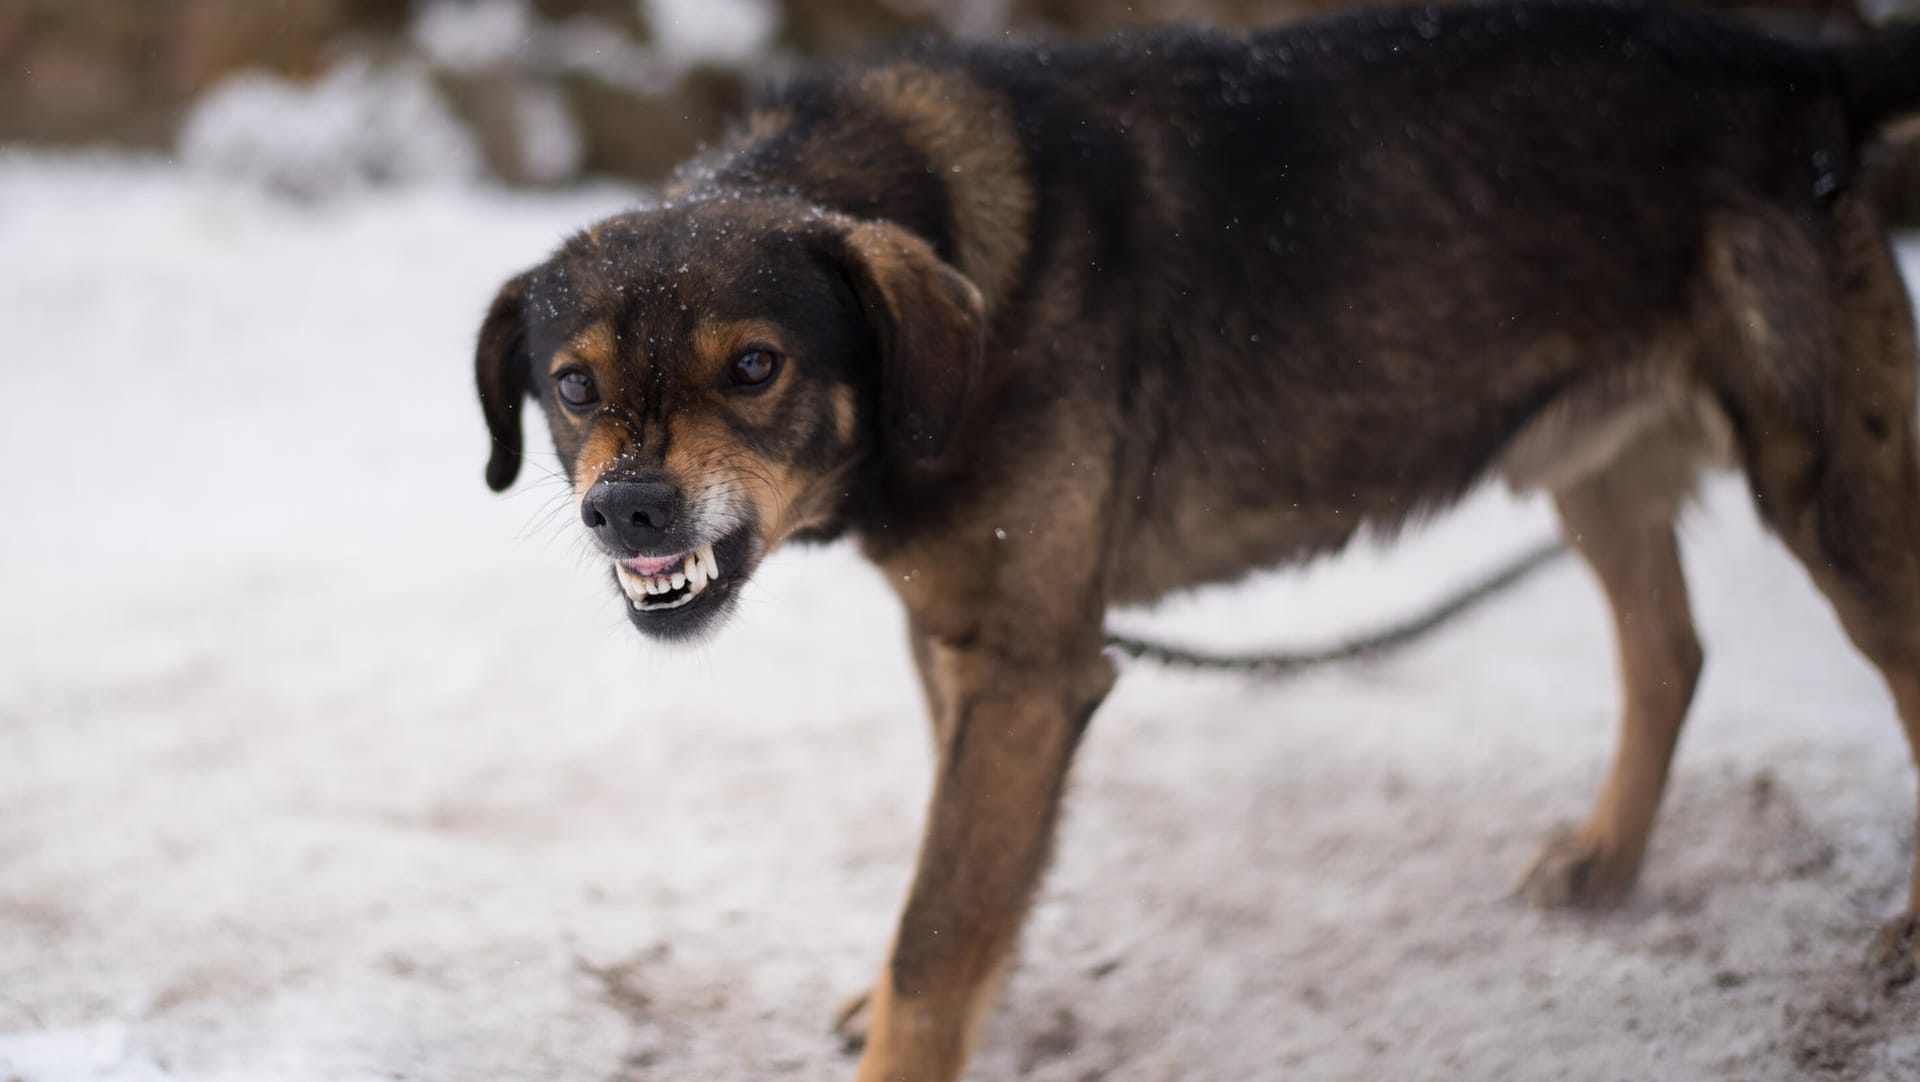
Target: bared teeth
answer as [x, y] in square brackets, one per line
[696, 571]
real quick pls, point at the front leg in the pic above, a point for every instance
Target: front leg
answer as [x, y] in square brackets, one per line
[1008, 725]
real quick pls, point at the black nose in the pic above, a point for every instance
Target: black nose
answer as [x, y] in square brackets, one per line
[629, 516]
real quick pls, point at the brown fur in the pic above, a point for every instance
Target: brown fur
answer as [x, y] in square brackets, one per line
[952, 120]
[596, 347]
[1064, 330]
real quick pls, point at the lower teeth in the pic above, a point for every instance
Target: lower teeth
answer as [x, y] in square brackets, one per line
[646, 602]
[655, 606]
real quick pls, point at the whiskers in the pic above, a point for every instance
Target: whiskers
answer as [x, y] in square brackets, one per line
[553, 518]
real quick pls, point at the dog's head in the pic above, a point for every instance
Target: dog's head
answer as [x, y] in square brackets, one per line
[720, 375]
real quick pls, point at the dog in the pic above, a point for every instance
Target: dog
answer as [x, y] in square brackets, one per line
[1046, 329]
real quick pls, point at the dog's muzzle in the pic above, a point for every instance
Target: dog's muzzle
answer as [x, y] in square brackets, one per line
[683, 594]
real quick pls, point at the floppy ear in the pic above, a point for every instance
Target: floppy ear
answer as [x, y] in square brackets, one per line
[500, 368]
[930, 323]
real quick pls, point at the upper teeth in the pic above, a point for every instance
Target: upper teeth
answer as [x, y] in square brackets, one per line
[695, 570]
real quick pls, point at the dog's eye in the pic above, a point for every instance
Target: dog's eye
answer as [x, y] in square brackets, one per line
[577, 389]
[753, 368]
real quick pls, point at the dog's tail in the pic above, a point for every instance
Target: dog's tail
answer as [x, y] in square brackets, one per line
[1367, 647]
[1880, 77]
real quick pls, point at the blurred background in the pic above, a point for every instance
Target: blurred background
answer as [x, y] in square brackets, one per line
[312, 96]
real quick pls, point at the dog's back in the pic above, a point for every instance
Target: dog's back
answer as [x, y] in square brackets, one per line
[1336, 274]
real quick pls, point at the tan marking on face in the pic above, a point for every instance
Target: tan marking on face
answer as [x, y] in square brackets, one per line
[594, 347]
[716, 470]
[844, 413]
[604, 444]
[717, 343]
[967, 132]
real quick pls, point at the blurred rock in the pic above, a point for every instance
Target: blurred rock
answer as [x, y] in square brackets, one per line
[1893, 176]
[625, 14]
[847, 27]
[122, 70]
[550, 97]
[643, 135]
[525, 128]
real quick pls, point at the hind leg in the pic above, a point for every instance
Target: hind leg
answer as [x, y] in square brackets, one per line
[1860, 539]
[1859, 543]
[1621, 522]
[1836, 472]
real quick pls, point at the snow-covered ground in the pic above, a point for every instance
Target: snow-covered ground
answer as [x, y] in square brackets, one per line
[318, 763]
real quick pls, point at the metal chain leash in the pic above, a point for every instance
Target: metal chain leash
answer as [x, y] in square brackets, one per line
[1366, 647]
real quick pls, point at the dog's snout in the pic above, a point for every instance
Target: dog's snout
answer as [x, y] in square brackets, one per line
[630, 516]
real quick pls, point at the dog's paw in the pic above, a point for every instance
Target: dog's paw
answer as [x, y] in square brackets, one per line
[850, 1023]
[1577, 871]
[1894, 955]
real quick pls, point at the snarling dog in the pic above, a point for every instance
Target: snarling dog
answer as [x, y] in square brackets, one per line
[1045, 330]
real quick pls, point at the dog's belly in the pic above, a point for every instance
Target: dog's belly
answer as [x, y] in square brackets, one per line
[1266, 484]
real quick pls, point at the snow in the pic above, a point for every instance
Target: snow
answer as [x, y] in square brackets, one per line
[715, 31]
[473, 34]
[357, 126]
[319, 762]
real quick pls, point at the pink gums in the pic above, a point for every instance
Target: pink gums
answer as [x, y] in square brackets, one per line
[653, 565]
